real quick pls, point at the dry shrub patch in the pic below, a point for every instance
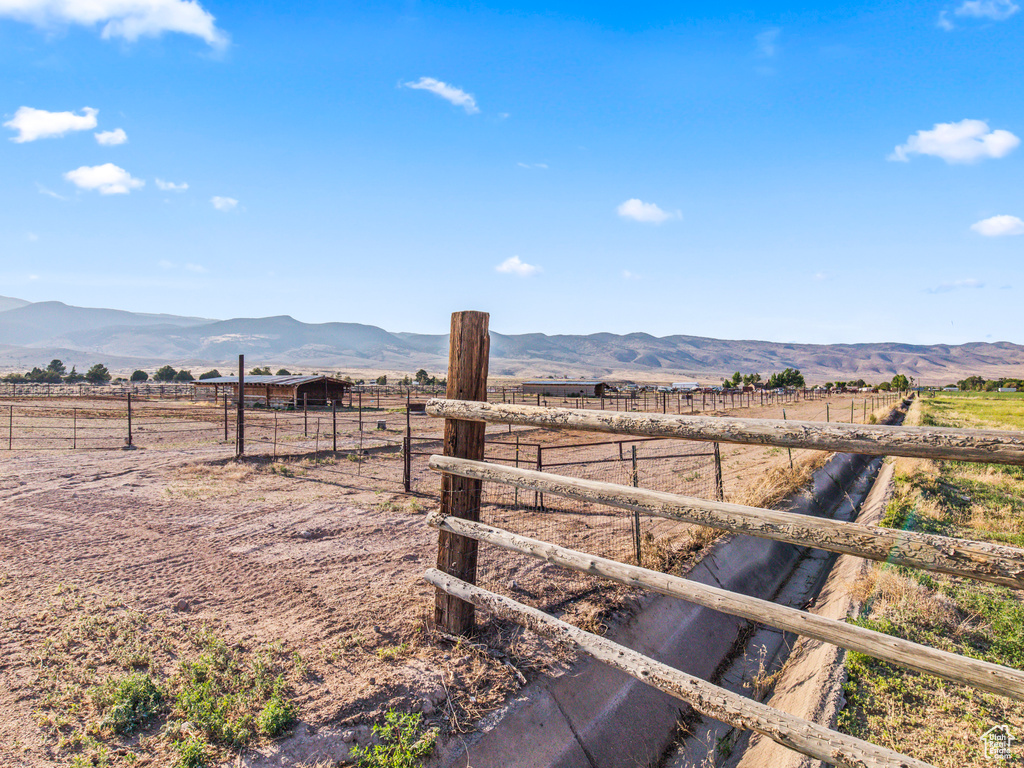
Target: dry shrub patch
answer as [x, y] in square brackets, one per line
[781, 480]
[117, 687]
[929, 718]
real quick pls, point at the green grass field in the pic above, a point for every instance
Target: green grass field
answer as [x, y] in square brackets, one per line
[920, 715]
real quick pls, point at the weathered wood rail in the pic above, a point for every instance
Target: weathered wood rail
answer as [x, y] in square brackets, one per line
[960, 669]
[459, 522]
[802, 735]
[996, 563]
[991, 446]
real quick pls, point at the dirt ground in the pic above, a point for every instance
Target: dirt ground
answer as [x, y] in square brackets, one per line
[321, 566]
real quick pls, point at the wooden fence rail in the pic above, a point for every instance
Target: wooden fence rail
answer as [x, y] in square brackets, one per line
[801, 735]
[960, 669]
[992, 446]
[994, 563]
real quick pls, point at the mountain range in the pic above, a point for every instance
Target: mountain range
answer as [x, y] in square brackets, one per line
[32, 333]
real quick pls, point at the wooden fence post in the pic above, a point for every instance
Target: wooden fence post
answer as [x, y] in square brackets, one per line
[240, 412]
[334, 424]
[129, 419]
[468, 357]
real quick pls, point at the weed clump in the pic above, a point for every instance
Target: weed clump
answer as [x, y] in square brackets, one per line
[403, 743]
[130, 703]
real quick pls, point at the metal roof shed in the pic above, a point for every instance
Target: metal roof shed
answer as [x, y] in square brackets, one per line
[279, 391]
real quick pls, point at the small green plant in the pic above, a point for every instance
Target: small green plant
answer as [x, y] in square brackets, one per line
[404, 744]
[392, 652]
[276, 716]
[128, 704]
[191, 753]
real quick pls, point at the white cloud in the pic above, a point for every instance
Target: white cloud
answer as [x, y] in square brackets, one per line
[997, 10]
[196, 268]
[944, 22]
[649, 213]
[819, 276]
[766, 42]
[999, 226]
[165, 264]
[108, 179]
[49, 192]
[450, 93]
[32, 124]
[32, 237]
[627, 275]
[515, 266]
[965, 142]
[128, 19]
[111, 138]
[170, 186]
[956, 285]
[542, 166]
[224, 203]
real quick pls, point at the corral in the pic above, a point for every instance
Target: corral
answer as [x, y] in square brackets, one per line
[309, 549]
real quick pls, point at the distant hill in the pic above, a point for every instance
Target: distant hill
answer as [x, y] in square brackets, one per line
[6, 302]
[34, 333]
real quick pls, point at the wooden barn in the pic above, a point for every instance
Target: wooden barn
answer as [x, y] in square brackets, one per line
[275, 391]
[564, 388]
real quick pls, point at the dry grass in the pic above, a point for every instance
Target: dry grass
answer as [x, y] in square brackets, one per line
[781, 480]
[920, 715]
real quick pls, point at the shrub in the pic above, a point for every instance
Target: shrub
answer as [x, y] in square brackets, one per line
[129, 703]
[276, 716]
[166, 373]
[183, 376]
[140, 376]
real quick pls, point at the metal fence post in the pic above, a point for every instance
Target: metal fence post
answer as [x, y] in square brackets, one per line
[129, 419]
[334, 425]
[636, 514]
[240, 413]
[719, 485]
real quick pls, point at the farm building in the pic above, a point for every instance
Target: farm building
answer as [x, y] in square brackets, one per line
[563, 388]
[275, 391]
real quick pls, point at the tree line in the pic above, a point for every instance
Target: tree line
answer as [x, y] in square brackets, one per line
[792, 378]
[980, 384]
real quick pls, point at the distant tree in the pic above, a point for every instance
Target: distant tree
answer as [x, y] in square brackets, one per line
[971, 383]
[74, 377]
[167, 373]
[51, 374]
[737, 378]
[98, 374]
[282, 372]
[214, 374]
[791, 377]
[406, 381]
[183, 376]
[830, 385]
[140, 376]
[422, 377]
[265, 371]
[900, 382]
[885, 386]
[382, 379]
[15, 378]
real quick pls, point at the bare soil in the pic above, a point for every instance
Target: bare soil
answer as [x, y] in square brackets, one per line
[319, 560]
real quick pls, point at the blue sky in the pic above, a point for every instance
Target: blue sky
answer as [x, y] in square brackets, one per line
[798, 172]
